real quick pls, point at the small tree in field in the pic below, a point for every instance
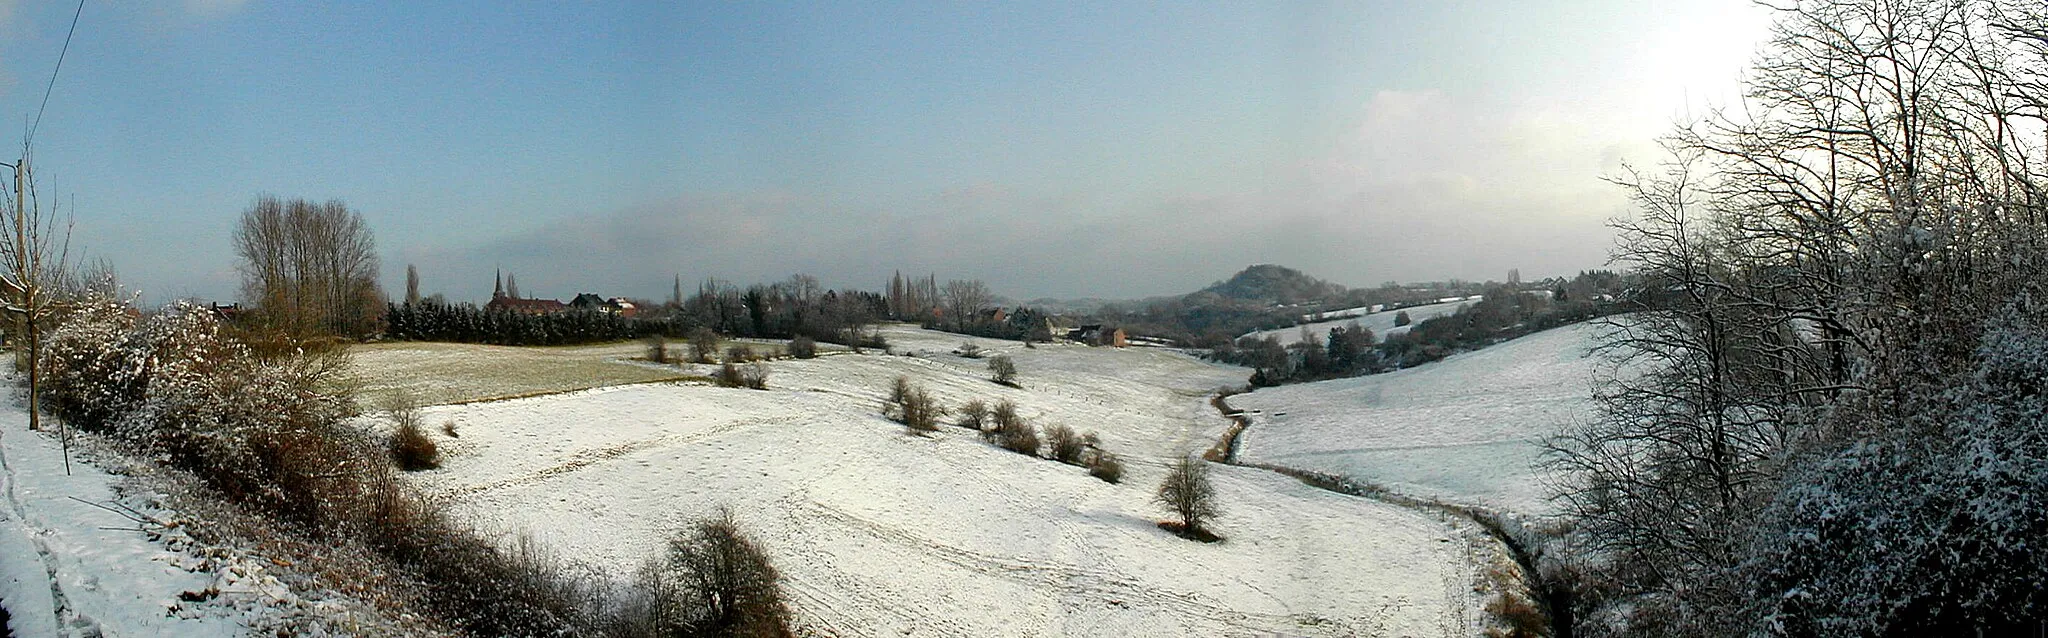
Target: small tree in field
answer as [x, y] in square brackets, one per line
[714, 581]
[974, 415]
[703, 345]
[657, 348]
[1401, 319]
[913, 407]
[803, 347]
[1004, 370]
[1189, 494]
[1067, 445]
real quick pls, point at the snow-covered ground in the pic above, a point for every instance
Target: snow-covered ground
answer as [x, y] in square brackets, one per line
[1380, 323]
[1465, 428]
[71, 567]
[882, 533]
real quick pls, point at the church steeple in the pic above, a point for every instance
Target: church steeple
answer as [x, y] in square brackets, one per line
[498, 289]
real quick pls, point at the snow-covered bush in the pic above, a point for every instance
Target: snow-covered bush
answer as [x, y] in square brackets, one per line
[1935, 525]
[262, 430]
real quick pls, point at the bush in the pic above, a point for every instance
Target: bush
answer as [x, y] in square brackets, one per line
[448, 428]
[713, 581]
[974, 415]
[969, 350]
[913, 407]
[703, 345]
[657, 348]
[267, 433]
[1189, 494]
[410, 446]
[1011, 432]
[1401, 319]
[740, 353]
[1065, 445]
[753, 375]
[899, 389]
[1003, 369]
[1106, 466]
[803, 347]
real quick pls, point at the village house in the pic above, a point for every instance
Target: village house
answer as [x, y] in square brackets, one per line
[1095, 334]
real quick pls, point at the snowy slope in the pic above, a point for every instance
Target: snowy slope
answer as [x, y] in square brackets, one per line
[68, 568]
[1466, 427]
[1381, 323]
[882, 533]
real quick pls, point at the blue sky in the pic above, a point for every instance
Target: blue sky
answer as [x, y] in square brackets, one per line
[1052, 149]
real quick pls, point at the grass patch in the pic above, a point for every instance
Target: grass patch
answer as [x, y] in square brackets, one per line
[445, 373]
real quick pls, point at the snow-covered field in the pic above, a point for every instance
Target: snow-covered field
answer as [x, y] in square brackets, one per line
[882, 533]
[1466, 428]
[1380, 323]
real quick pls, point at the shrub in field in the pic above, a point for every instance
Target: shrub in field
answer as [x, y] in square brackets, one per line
[410, 446]
[1003, 370]
[912, 406]
[803, 347]
[1011, 432]
[448, 428]
[1106, 466]
[974, 415]
[732, 375]
[713, 581]
[740, 353]
[1065, 445]
[657, 348]
[1189, 494]
[969, 350]
[899, 389]
[703, 345]
[1003, 414]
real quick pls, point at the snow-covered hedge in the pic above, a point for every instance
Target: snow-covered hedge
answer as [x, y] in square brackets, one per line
[178, 387]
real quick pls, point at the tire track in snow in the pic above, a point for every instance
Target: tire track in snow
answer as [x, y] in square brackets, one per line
[63, 616]
[585, 458]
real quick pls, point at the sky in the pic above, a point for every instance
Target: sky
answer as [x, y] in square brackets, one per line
[1051, 149]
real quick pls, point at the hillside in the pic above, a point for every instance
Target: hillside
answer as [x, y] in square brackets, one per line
[881, 533]
[1467, 428]
[1272, 284]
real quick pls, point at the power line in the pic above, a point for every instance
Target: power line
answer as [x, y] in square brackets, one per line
[53, 73]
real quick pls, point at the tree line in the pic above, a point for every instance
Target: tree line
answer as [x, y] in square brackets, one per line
[1830, 419]
[1505, 312]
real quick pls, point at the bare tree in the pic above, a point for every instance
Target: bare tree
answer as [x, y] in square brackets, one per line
[310, 268]
[412, 285]
[1189, 494]
[964, 299]
[1003, 369]
[33, 251]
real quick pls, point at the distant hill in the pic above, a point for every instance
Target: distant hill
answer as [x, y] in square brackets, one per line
[1274, 284]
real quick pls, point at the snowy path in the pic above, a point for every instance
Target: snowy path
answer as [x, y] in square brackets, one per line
[68, 568]
[882, 533]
